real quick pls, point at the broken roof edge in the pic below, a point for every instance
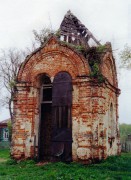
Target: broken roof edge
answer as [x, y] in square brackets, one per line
[69, 45]
[71, 26]
[58, 41]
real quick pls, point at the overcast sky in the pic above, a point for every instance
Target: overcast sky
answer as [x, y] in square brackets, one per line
[108, 20]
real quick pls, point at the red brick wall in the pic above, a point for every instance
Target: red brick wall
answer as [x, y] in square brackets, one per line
[90, 108]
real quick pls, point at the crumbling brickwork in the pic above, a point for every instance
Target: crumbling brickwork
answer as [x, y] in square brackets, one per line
[94, 110]
[90, 107]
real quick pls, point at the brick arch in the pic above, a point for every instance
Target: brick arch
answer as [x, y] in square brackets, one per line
[38, 79]
[108, 69]
[51, 59]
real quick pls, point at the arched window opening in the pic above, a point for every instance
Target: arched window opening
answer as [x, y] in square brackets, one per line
[112, 121]
[111, 127]
[46, 90]
[45, 118]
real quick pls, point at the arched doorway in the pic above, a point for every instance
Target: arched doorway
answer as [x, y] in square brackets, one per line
[62, 121]
[55, 139]
[45, 118]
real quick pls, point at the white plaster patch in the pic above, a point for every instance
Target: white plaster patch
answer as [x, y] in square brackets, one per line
[83, 153]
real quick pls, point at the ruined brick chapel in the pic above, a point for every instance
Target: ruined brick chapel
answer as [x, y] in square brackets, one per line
[66, 100]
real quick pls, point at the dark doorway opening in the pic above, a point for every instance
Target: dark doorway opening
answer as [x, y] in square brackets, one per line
[46, 119]
[55, 138]
[45, 132]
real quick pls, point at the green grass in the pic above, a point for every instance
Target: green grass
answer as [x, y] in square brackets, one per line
[4, 153]
[114, 168]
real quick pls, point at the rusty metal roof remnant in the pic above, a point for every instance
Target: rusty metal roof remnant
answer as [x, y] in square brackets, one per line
[73, 31]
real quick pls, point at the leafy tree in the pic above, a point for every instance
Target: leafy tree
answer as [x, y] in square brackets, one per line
[42, 35]
[125, 129]
[125, 56]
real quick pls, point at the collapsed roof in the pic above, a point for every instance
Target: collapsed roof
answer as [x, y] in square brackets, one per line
[73, 31]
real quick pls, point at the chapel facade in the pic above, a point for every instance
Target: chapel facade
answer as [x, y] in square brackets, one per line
[66, 100]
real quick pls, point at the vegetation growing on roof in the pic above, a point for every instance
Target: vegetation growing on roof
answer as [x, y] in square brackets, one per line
[79, 48]
[57, 33]
[101, 48]
[94, 56]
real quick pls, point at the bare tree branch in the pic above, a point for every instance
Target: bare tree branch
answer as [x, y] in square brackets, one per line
[10, 61]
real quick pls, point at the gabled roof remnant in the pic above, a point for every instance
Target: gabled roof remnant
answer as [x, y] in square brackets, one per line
[73, 31]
